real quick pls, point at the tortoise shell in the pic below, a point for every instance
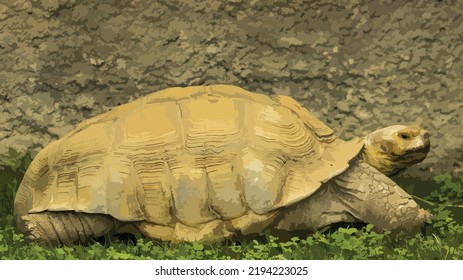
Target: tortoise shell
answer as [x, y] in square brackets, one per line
[188, 155]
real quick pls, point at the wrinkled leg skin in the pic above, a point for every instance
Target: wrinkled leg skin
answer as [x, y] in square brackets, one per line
[64, 228]
[374, 198]
[360, 194]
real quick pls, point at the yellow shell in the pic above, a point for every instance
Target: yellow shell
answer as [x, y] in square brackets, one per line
[188, 155]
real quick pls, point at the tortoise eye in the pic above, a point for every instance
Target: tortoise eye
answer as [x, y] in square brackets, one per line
[404, 135]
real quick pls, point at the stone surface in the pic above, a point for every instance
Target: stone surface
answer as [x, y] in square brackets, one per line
[358, 67]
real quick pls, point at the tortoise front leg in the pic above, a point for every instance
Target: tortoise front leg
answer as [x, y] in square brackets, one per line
[374, 198]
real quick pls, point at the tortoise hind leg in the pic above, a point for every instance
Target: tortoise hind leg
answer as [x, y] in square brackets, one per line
[64, 228]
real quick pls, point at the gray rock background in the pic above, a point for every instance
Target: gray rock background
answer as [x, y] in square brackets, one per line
[357, 65]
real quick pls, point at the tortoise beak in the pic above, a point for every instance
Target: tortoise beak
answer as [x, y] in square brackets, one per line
[423, 142]
[419, 148]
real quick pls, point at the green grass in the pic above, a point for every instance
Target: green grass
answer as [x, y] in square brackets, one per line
[441, 239]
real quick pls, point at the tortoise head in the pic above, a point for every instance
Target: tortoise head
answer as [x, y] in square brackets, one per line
[396, 147]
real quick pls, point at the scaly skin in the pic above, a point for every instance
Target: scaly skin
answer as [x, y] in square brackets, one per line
[362, 193]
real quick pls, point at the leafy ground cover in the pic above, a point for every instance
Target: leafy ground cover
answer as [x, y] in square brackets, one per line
[442, 237]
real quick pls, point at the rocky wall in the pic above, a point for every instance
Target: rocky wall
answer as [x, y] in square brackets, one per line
[357, 65]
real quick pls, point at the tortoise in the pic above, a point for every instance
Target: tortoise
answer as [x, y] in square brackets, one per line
[208, 163]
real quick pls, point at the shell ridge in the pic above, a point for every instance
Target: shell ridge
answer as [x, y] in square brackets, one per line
[320, 129]
[168, 172]
[137, 183]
